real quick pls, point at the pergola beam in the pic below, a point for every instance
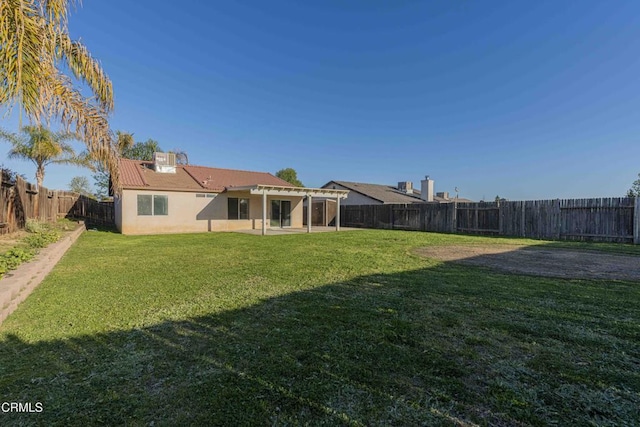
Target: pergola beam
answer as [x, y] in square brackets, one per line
[309, 193]
[309, 209]
[337, 213]
[273, 190]
[264, 213]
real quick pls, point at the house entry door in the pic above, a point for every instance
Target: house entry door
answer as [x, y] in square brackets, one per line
[281, 213]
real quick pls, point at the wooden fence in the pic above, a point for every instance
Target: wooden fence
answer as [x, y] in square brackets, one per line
[602, 220]
[20, 200]
[93, 212]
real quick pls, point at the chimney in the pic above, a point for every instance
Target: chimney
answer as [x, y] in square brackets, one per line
[443, 194]
[406, 187]
[426, 189]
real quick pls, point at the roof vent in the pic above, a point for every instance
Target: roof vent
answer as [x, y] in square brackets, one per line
[406, 187]
[164, 162]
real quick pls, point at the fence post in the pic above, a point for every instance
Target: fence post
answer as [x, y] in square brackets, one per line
[454, 223]
[636, 221]
[559, 220]
[476, 225]
[522, 219]
[500, 220]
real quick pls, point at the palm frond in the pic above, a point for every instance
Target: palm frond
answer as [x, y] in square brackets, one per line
[9, 137]
[22, 31]
[57, 10]
[20, 151]
[124, 141]
[88, 121]
[87, 69]
[35, 45]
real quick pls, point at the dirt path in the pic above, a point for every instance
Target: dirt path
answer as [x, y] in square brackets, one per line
[539, 261]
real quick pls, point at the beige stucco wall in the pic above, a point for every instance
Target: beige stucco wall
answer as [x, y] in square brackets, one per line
[188, 213]
[117, 202]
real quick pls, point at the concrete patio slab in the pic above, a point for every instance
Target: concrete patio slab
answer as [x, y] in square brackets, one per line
[282, 231]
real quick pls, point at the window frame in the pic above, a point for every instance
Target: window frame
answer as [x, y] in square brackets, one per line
[239, 215]
[152, 201]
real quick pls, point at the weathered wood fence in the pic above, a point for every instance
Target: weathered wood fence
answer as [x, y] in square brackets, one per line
[602, 220]
[20, 200]
[93, 212]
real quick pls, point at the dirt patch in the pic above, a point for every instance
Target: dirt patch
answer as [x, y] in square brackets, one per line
[540, 261]
[9, 240]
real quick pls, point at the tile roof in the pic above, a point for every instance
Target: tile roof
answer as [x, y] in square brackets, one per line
[141, 175]
[218, 179]
[382, 193]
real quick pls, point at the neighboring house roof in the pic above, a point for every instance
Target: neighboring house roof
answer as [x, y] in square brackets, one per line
[136, 174]
[381, 193]
[453, 199]
[439, 199]
[388, 193]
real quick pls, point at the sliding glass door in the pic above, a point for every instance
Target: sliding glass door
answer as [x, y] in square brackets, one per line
[281, 213]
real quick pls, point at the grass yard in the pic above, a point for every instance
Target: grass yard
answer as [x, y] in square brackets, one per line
[345, 328]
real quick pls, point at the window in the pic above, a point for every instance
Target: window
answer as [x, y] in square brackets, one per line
[145, 205]
[153, 205]
[238, 208]
[160, 205]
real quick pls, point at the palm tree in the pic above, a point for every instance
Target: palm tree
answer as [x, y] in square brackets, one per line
[43, 147]
[38, 65]
[102, 176]
[124, 141]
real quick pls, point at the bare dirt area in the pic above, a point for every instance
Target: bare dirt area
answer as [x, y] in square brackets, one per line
[539, 261]
[7, 241]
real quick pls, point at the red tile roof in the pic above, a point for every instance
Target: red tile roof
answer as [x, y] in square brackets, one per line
[141, 175]
[218, 179]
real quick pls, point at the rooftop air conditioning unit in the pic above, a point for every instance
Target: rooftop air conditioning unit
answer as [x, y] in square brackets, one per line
[164, 162]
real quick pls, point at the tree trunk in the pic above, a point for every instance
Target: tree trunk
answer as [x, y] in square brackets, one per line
[39, 181]
[40, 176]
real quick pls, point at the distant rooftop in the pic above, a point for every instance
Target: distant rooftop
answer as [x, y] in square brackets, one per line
[390, 194]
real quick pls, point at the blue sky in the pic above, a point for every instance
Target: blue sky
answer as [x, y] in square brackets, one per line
[526, 100]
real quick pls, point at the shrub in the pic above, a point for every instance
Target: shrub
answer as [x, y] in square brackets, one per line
[42, 238]
[34, 226]
[11, 259]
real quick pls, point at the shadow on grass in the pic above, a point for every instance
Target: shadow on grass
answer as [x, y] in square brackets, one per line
[101, 228]
[439, 346]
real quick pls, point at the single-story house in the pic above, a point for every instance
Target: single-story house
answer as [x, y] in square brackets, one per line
[377, 194]
[162, 197]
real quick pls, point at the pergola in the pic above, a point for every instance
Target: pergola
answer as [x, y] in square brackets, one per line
[309, 193]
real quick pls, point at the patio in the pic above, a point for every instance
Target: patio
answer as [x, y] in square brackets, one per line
[281, 231]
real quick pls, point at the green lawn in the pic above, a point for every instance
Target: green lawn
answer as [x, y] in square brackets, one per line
[336, 328]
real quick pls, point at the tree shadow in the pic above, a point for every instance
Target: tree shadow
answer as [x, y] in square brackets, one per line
[444, 345]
